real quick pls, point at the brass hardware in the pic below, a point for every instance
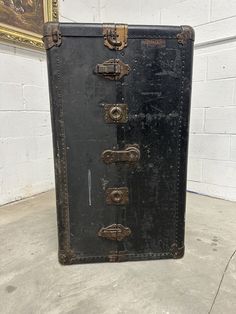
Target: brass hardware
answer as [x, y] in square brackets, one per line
[115, 232]
[186, 34]
[117, 196]
[117, 256]
[52, 35]
[112, 69]
[117, 113]
[177, 252]
[115, 36]
[130, 154]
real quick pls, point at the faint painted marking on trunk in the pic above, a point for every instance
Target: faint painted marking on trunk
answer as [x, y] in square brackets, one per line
[160, 43]
[89, 187]
[104, 183]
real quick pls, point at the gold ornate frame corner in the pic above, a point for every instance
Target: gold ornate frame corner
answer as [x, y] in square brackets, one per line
[21, 37]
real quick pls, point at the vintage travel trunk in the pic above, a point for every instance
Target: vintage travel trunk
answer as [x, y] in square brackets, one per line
[120, 102]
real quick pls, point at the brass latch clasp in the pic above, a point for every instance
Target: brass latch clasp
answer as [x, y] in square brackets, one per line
[130, 154]
[112, 69]
[115, 232]
[115, 36]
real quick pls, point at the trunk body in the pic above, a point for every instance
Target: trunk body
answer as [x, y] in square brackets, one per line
[120, 134]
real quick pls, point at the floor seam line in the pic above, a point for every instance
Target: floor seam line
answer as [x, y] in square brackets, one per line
[221, 281]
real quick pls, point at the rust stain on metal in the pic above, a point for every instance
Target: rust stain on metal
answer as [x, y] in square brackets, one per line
[52, 35]
[114, 232]
[186, 34]
[115, 36]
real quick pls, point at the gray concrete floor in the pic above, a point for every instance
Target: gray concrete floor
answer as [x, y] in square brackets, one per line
[32, 281]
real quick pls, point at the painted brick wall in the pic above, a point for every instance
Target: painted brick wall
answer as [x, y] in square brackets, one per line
[26, 150]
[26, 166]
[212, 162]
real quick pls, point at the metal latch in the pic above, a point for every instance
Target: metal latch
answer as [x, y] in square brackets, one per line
[112, 69]
[115, 232]
[130, 154]
[115, 36]
[116, 113]
[117, 196]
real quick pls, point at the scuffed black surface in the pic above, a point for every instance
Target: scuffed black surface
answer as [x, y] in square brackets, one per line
[157, 92]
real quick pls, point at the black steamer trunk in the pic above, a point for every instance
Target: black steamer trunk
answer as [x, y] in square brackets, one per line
[120, 102]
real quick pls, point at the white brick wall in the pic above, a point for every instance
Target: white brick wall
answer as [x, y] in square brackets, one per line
[212, 148]
[233, 148]
[217, 93]
[221, 120]
[190, 12]
[197, 120]
[209, 146]
[222, 64]
[26, 150]
[221, 9]
[26, 166]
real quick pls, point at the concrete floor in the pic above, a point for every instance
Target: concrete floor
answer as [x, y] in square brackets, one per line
[32, 281]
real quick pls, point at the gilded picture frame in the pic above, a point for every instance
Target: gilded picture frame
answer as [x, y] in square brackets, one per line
[21, 23]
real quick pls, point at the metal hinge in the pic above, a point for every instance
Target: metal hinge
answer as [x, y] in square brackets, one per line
[52, 35]
[115, 232]
[130, 154]
[112, 69]
[115, 36]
